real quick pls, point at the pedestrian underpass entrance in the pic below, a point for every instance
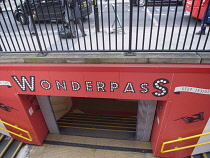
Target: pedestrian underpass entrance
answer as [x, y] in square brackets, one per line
[182, 92]
[98, 117]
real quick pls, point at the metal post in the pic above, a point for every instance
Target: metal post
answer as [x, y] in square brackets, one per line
[130, 53]
[41, 54]
[96, 15]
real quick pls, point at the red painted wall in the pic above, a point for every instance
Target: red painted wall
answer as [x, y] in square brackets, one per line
[15, 110]
[182, 90]
[179, 117]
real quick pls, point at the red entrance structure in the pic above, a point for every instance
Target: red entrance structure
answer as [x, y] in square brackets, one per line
[181, 124]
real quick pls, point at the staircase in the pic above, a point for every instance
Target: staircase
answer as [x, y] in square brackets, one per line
[9, 147]
[107, 126]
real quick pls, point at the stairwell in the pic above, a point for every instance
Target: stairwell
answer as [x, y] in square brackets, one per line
[9, 147]
[95, 125]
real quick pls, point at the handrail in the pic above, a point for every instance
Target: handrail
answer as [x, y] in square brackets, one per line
[16, 127]
[184, 147]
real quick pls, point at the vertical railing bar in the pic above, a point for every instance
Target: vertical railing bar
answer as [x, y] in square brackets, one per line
[76, 27]
[188, 25]
[35, 28]
[96, 32]
[89, 28]
[28, 29]
[137, 27]
[24, 30]
[70, 27]
[91, 43]
[78, 39]
[108, 7]
[51, 22]
[151, 27]
[67, 12]
[180, 26]
[5, 37]
[62, 21]
[102, 23]
[64, 4]
[196, 22]
[115, 3]
[7, 26]
[164, 36]
[82, 21]
[17, 27]
[173, 26]
[158, 31]
[2, 43]
[46, 25]
[207, 37]
[40, 26]
[4, 34]
[130, 27]
[144, 30]
[206, 15]
[123, 24]
[12, 27]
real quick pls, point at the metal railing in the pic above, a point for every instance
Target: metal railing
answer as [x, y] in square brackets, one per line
[29, 138]
[110, 26]
[183, 139]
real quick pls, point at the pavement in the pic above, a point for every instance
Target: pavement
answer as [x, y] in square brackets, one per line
[86, 147]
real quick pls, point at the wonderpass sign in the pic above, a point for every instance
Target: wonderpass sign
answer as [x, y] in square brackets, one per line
[111, 85]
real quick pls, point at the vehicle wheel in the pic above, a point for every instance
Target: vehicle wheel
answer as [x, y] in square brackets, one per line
[22, 19]
[141, 3]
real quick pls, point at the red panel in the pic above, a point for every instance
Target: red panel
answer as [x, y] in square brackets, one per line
[158, 68]
[160, 120]
[188, 112]
[15, 111]
[33, 111]
[184, 87]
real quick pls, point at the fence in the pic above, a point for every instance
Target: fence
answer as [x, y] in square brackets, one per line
[110, 26]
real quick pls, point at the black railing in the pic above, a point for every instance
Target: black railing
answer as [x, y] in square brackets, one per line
[110, 26]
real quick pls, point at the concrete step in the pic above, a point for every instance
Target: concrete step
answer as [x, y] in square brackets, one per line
[5, 144]
[99, 122]
[1, 137]
[9, 147]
